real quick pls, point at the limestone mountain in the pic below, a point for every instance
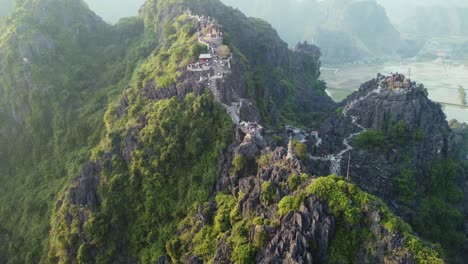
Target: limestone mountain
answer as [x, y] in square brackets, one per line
[170, 138]
[57, 64]
[401, 149]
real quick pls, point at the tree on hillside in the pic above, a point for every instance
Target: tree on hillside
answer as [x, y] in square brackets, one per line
[224, 52]
[462, 95]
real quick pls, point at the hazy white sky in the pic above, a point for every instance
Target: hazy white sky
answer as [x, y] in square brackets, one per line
[112, 10]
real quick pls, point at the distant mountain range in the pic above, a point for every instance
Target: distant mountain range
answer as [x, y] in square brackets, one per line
[437, 21]
[345, 30]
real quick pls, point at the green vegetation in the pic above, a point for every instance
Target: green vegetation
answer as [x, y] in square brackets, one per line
[224, 52]
[258, 220]
[265, 159]
[419, 135]
[269, 192]
[273, 79]
[76, 71]
[349, 206]
[285, 96]
[339, 110]
[260, 238]
[295, 180]
[300, 150]
[239, 162]
[439, 217]
[423, 254]
[435, 205]
[51, 109]
[345, 201]
[406, 186]
[395, 136]
[288, 204]
[78, 83]
[370, 139]
[202, 240]
[171, 171]
[167, 176]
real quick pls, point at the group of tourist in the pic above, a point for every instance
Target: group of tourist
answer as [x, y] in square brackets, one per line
[397, 80]
[252, 128]
[199, 65]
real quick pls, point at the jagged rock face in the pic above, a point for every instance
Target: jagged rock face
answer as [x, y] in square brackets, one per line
[186, 83]
[234, 85]
[304, 236]
[85, 187]
[389, 242]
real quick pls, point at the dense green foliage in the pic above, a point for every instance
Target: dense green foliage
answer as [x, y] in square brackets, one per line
[239, 162]
[265, 159]
[288, 204]
[395, 136]
[269, 192]
[171, 171]
[56, 82]
[291, 109]
[406, 186]
[295, 180]
[439, 217]
[434, 203]
[370, 139]
[300, 150]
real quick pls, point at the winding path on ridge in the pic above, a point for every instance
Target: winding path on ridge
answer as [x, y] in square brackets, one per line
[220, 70]
[335, 159]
